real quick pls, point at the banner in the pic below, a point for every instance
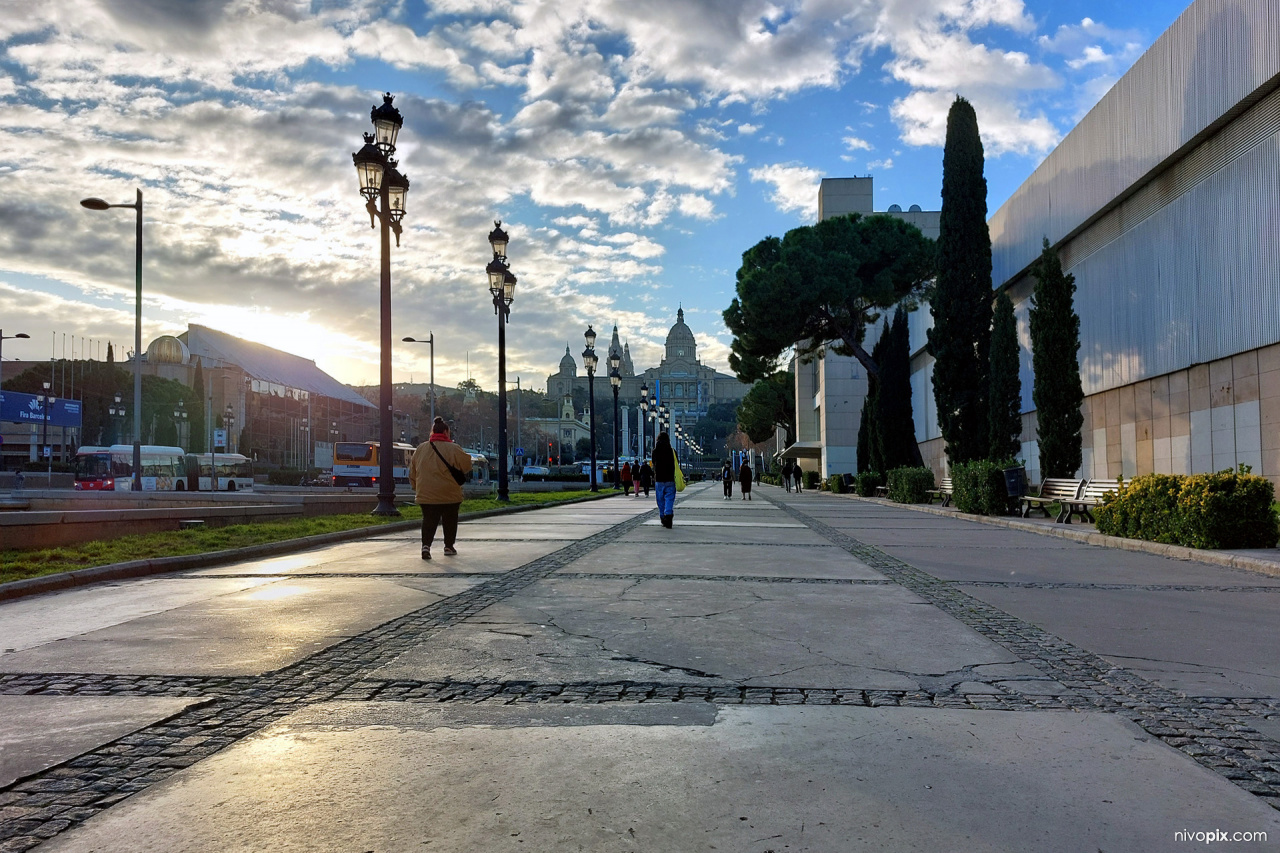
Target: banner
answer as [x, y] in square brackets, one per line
[27, 409]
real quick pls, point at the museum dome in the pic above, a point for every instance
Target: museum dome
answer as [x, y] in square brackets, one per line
[567, 364]
[167, 349]
[680, 342]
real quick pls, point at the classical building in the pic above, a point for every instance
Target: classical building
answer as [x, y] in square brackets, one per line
[685, 384]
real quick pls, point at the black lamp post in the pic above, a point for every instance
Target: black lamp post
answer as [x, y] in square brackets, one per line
[3, 338]
[615, 380]
[229, 421]
[116, 410]
[380, 180]
[502, 286]
[589, 361]
[99, 204]
[644, 416]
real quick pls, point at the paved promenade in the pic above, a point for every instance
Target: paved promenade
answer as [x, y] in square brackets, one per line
[794, 673]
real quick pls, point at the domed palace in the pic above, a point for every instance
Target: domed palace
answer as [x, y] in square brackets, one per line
[680, 381]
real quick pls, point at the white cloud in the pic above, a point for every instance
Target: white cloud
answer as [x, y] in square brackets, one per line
[748, 129]
[853, 143]
[795, 188]
[880, 165]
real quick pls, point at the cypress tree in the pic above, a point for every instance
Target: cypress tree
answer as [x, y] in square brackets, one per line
[199, 436]
[1006, 388]
[864, 428]
[897, 432]
[1055, 348]
[111, 356]
[961, 302]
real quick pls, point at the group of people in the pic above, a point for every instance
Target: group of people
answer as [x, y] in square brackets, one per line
[744, 475]
[792, 475]
[439, 467]
[639, 477]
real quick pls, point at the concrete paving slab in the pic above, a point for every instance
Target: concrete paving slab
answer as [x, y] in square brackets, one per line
[403, 558]
[29, 622]
[40, 732]
[708, 522]
[469, 533]
[247, 633]
[1160, 635]
[815, 562]
[827, 780]
[683, 534]
[869, 637]
[1068, 562]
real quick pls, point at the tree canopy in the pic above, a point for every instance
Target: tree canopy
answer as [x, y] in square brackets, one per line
[822, 284]
[771, 403]
[1006, 387]
[1055, 348]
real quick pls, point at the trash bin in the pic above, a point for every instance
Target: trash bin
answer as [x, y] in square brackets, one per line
[1015, 481]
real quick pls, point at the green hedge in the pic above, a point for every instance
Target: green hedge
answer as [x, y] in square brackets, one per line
[979, 487]
[835, 483]
[1229, 509]
[284, 477]
[911, 485]
[811, 479]
[867, 482]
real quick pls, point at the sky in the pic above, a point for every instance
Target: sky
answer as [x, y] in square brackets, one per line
[633, 149]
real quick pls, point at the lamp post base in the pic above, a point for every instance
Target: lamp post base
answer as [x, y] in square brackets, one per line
[386, 506]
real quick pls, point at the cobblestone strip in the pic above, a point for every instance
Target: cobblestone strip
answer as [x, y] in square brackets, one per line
[1226, 744]
[35, 809]
[649, 576]
[1151, 587]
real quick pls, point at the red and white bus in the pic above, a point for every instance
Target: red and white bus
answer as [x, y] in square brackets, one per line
[164, 469]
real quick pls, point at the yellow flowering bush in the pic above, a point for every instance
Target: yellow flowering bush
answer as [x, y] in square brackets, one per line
[1229, 509]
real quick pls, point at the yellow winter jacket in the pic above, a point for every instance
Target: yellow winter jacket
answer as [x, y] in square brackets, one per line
[430, 479]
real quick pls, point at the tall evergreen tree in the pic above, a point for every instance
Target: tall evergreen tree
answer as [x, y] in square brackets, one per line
[864, 428]
[1006, 387]
[961, 302]
[111, 356]
[1055, 349]
[199, 442]
[897, 430]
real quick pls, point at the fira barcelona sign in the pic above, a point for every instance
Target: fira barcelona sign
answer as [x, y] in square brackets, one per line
[28, 409]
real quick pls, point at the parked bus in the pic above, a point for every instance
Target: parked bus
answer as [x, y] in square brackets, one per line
[235, 472]
[357, 463]
[107, 469]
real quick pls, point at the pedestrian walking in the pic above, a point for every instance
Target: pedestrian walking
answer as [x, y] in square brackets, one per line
[625, 476]
[797, 475]
[759, 468]
[787, 470]
[646, 479]
[726, 477]
[436, 472]
[664, 479]
[744, 479]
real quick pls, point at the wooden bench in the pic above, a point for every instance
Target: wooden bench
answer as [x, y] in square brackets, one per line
[944, 491]
[882, 491]
[1052, 491]
[1089, 497]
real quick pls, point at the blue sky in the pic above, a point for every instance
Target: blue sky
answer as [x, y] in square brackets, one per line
[633, 150]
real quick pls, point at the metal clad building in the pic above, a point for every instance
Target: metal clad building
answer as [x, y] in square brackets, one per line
[1163, 203]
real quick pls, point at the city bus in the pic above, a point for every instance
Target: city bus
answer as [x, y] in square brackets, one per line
[357, 463]
[107, 469]
[235, 472]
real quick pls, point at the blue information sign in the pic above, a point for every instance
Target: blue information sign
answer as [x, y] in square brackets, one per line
[27, 409]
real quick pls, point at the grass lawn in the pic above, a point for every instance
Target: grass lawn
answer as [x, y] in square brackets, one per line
[17, 565]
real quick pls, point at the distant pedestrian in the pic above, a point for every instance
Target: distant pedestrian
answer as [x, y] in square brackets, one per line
[625, 476]
[664, 479]
[726, 477]
[797, 476]
[646, 479]
[759, 468]
[787, 472]
[19, 479]
[436, 473]
[744, 479]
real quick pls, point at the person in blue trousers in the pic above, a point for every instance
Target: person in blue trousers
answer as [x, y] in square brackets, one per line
[664, 478]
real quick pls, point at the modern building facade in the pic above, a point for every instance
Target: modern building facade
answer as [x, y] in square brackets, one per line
[831, 389]
[1163, 204]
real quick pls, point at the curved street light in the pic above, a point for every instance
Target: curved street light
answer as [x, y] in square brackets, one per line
[502, 286]
[590, 361]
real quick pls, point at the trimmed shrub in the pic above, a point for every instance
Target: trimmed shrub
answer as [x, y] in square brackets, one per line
[284, 477]
[1229, 509]
[979, 487]
[867, 482]
[910, 485]
[811, 479]
[835, 483]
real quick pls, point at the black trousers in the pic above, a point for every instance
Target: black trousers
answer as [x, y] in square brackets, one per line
[728, 488]
[432, 517]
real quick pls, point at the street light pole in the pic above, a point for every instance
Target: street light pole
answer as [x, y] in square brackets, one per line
[46, 402]
[99, 204]
[615, 380]
[590, 361]
[3, 338]
[379, 179]
[431, 339]
[502, 286]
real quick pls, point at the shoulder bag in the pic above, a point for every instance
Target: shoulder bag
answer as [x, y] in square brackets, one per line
[679, 476]
[458, 476]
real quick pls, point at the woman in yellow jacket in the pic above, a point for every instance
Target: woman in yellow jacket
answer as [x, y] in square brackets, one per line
[434, 474]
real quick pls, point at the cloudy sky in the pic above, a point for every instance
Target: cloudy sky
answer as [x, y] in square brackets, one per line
[633, 149]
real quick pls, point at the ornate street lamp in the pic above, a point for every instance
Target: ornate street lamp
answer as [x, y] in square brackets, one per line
[589, 360]
[380, 180]
[615, 379]
[644, 415]
[117, 411]
[180, 419]
[502, 286]
[229, 421]
[99, 204]
[46, 403]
